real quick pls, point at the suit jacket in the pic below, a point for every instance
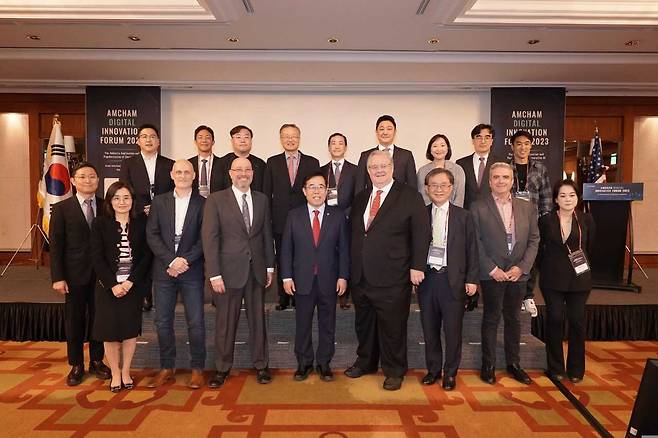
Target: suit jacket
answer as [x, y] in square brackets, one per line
[492, 236]
[556, 270]
[404, 169]
[346, 183]
[472, 192]
[215, 176]
[105, 239]
[161, 230]
[299, 255]
[133, 171]
[396, 240]
[257, 165]
[231, 251]
[70, 239]
[276, 186]
[462, 250]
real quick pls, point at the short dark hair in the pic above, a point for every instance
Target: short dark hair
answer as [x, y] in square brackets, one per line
[428, 153]
[82, 165]
[237, 129]
[313, 175]
[108, 210]
[386, 118]
[148, 126]
[565, 182]
[521, 133]
[438, 171]
[475, 131]
[337, 134]
[289, 125]
[204, 128]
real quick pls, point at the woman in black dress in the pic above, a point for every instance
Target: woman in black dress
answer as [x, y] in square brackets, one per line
[122, 261]
[566, 241]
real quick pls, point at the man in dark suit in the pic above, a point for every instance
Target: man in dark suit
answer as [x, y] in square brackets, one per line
[174, 236]
[239, 254]
[451, 276]
[508, 239]
[71, 272]
[149, 175]
[476, 166]
[282, 185]
[241, 142]
[389, 254]
[315, 267]
[405, 166]
[208, 177]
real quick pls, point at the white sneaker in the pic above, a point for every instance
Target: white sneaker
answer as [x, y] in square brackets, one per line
[530, 307]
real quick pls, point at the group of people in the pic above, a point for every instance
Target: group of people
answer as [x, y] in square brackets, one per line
[379, 231]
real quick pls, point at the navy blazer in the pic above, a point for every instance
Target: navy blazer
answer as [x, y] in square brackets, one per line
[404, 169]
[346, 183]
[133, 172]
[299, 254]
[160, 231]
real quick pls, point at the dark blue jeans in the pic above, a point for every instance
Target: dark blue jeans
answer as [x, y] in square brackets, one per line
[166, 292]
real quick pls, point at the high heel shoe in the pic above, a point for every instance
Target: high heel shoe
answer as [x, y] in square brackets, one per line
[129, 385]
[115, 389]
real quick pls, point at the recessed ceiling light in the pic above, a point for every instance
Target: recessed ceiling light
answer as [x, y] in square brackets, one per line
[232, 39]
[332, 40]
[533, 42]
[433, 41]
[632, 43]
[33, 37]
[134, 38]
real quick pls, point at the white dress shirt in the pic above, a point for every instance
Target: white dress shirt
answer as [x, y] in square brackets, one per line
[150, 166]
[385, 190]
[250, 203]
[383, 148]
[476, 164]
[181, 205]
[208, 167]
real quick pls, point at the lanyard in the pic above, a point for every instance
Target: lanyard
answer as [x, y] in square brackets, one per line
[580, 233]
[518, 181]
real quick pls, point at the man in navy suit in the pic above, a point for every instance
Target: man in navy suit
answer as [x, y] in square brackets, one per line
[315, 268]
[174, 235]
[207, 166]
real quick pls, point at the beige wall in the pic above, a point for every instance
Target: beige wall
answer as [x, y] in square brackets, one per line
[645, 213]
[14, 181]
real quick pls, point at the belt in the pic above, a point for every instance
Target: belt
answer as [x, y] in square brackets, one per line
[438, 271]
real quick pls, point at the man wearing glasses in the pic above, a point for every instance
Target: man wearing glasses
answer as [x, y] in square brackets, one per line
[476, 166]
[315, 269]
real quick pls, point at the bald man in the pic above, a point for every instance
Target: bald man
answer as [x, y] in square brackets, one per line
[174, 235]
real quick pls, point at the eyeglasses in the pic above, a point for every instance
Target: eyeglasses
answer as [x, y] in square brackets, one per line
[483, 137]
[379, 166]
[316, 188]
[441, 187]
[148, 137]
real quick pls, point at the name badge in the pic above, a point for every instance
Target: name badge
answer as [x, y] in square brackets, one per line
[509, 243]
[332, 196]
[436, 255]
[579, 262]
[525, 195]
[123, 271]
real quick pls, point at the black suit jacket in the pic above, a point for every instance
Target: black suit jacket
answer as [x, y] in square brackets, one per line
[160, 231]
[396, 240]
[276, 186]
[215, 175]
[299, 254]
[133, 171]
[472, 192]
[257, 165]
[556, 270]
[404, 169]
[105, 240]
[346, 183]
[70, 242]
[462, 249]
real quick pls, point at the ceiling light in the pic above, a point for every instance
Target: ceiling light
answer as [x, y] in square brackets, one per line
[332, 40]
[232, 39]
[632, 43]
[533, 42]
[134, 38]
[33, 37]
[433, 41]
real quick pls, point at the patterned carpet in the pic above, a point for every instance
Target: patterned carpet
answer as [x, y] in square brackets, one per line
[35, 401]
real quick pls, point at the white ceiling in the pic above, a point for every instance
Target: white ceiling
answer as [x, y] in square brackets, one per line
[283, 44]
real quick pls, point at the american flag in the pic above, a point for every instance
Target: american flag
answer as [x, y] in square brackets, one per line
[596, 172]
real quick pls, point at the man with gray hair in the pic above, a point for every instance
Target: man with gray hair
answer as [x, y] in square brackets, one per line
[508, 239]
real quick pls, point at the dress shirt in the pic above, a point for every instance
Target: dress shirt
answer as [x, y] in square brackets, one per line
[81, 201]
[385, 190]
[476, 164]
[440, 214]
[150, 166]
[208, 167]
[250, 203]
[390, 148]
[297, 158]
[181, 205]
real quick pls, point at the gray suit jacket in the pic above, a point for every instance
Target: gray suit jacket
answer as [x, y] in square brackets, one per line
[228, 248]
[492, 237]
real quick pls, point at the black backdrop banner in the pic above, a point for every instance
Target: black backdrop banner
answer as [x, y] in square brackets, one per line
[113, 116]
[540, 111]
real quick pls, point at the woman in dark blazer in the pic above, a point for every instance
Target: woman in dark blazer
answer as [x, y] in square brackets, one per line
[565, 279]
[122, 261]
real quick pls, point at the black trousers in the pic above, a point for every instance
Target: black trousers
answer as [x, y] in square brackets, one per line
[284, 298]
[381, 315]
[325, 302]
[79, 310]
[530, 284]
[439, 308]
[501, 297]
[557, 302]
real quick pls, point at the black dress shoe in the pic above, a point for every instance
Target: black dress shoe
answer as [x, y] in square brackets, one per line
[488, 375]
[354, 372]
[392, 383]
[302, 372]
[263, 376]
[573, 379]
[517, 372]
[431, 378]
[325, 373]
[75, 376]
[554, 376]
[100, 370]
[218, 379]
[280, 307]
[449, 383]
[147, 304]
